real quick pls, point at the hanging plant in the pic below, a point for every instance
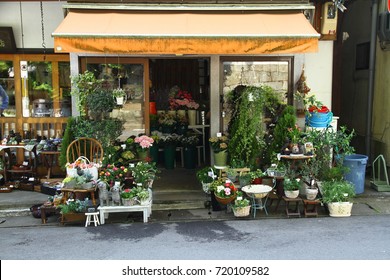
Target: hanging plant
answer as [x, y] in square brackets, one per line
[246, 129]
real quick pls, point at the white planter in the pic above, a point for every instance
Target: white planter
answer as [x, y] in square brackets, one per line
[120, 100]
[340, 209]
[311, 194]
[292, 194]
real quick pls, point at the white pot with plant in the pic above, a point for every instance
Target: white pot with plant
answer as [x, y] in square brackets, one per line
[338, 195]
[291, 187]
[119, 95]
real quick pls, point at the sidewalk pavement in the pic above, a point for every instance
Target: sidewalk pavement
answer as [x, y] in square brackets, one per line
[15, 209]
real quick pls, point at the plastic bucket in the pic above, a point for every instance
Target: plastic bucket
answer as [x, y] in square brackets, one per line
[317, 119]
[357, 171]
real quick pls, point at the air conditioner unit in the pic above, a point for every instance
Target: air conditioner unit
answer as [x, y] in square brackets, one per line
[329, 19]
[384, 26]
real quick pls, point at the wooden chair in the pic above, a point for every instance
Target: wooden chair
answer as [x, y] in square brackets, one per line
[87, 147]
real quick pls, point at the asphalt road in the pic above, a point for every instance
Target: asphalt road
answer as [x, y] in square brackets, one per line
[352, 238]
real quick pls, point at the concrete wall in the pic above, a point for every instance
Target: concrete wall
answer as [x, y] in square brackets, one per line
[10, 15]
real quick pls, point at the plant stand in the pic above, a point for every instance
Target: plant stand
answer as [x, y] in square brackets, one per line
[310, 207]
[292, 212]
[380, 178]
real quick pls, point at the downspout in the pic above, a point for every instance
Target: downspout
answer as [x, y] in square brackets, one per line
[371, 76]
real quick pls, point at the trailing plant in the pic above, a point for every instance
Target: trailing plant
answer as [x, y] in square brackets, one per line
[246, 130]
[82, 85]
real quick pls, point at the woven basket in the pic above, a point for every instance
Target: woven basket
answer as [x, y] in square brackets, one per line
[241, 211]
[225, 201]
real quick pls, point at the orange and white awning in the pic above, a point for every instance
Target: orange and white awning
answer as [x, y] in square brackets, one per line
[135, 32]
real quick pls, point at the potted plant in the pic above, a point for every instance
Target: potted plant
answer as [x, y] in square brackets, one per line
[143, 173]
[142, 195]
[129, 197]
[73, 210]
[291, 187]
[205, 176]
[169, 143]
[338, 195]
[167, 122]
[188, 143]
[219, 145]
[241, 206]
[142, 145]
[232, 174]
[257, 176]
[119, 95]
[225, 193]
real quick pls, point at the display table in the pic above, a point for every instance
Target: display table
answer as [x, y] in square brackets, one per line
[257, 193]
[68, 191]
[295, 212]
[105, 210]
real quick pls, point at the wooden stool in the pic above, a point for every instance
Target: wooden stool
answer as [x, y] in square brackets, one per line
[95, 218]
[310, 207]
[292, 212]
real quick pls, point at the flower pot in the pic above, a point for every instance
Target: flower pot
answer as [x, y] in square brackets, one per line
[340, 209]
[291, 194]
[241, 211]
[129, 201]
[220, 158]
[181, 113]
[215, 205]
[189, 157]
[120, 100]
[142, 155]
[192, 117]
[311, 194]
[153, 151]
[169, 156]
[225, 200]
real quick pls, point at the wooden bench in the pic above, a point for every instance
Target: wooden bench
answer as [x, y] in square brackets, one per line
[105, 210]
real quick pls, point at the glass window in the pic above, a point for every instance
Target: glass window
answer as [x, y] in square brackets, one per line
[274, 73]
[8, 84]
[43, 93]
[130, 78]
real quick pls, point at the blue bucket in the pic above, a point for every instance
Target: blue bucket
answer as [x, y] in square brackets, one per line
[317, 119]
[357, 171]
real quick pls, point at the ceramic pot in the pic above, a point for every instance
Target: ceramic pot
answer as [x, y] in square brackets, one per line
[311, 194]
[291, 194]
[220, 158]
[340, 209]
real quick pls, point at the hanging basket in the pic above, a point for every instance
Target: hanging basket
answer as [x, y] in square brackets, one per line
[241, 211]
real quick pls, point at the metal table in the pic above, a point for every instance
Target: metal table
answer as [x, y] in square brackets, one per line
[257, 193]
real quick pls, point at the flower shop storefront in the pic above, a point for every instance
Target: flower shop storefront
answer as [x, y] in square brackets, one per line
[190, 39]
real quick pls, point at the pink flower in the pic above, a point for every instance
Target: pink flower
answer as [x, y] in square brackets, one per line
[227, 191]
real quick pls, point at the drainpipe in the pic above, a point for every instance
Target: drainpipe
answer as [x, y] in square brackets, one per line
[371, 76]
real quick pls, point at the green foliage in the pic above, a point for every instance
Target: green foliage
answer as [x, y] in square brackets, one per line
[73, 206]
[286, 120]
[246, 129]
[337, 191]
[100, 103]
[66, 140]
[105, 131]
[203, 175]
[291, 184]
[83, 85]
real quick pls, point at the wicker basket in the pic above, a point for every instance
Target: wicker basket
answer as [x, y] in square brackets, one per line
[242, 211]
[225, 201]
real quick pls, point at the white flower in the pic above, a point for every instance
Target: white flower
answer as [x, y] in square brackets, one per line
[220, 188]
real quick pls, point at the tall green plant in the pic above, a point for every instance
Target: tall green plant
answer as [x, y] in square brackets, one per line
[246, 130]
[66, 140]
[286, 120]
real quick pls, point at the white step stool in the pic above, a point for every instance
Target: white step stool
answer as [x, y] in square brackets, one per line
[95, 216]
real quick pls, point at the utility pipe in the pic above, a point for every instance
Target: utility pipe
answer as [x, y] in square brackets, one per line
[371, 76]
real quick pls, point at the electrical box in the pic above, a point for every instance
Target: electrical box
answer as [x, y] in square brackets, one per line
[329, 19]
[384, 26]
